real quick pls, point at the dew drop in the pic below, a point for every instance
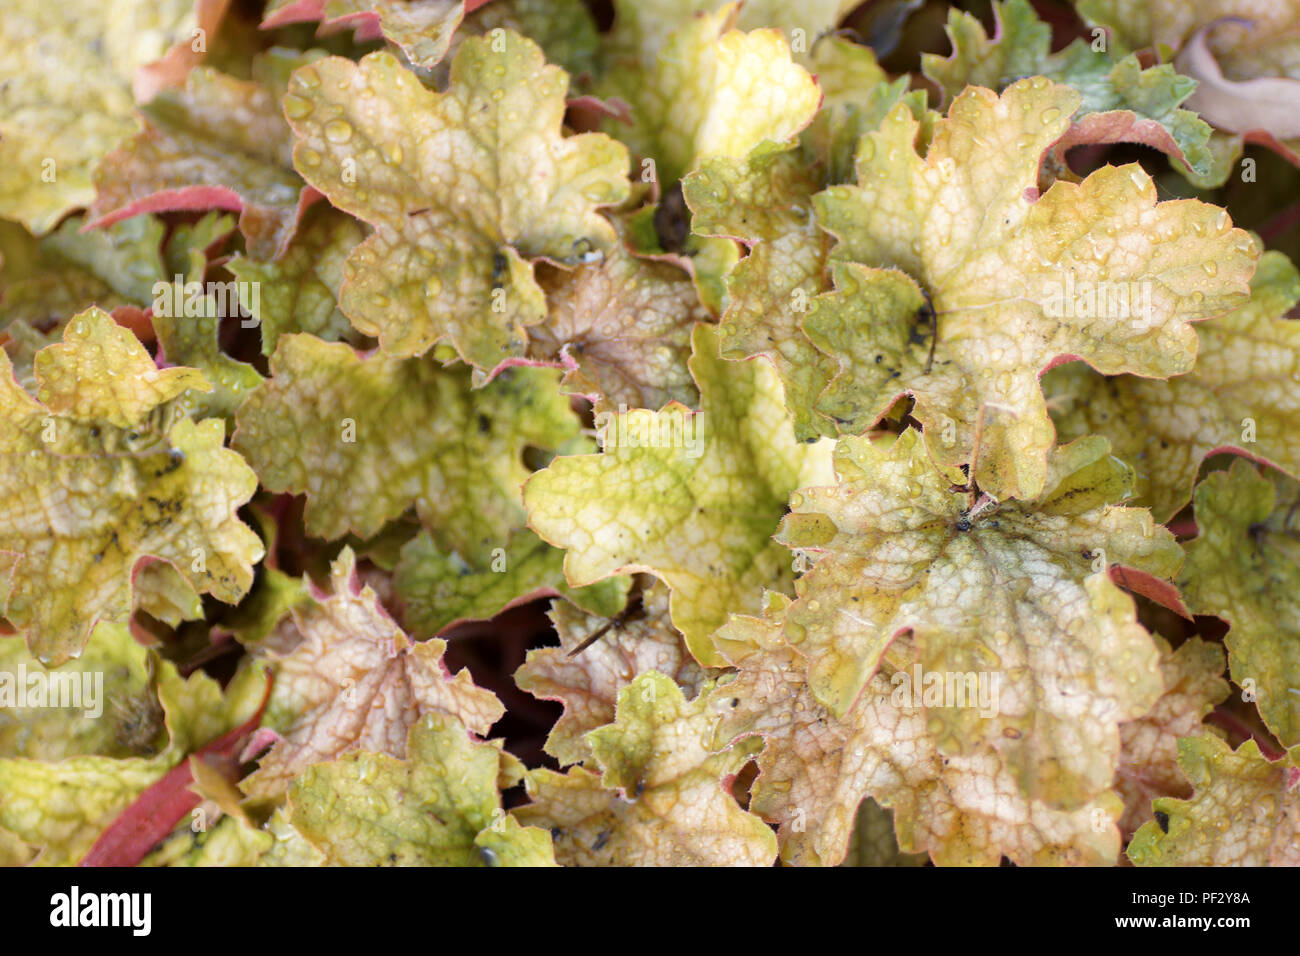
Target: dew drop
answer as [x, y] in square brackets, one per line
[1210, 268]
[308, 78]
[296, 107]
[393, 154]
[1049, 115]
[498, 93]
[338, 131]
[867, 151]
[432, 286]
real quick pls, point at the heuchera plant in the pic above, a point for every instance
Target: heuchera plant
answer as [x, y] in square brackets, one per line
[534, 432]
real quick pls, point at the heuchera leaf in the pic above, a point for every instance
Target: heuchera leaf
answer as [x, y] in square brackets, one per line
[188, 325]
[451, 255]
[691, 498]
[873, 842]
[193, 341]
[1170, 23]
[61, 807]
[366, 438]
[1148, 759]
[1121, 101]
[564, 29]
[765, 200]
[1000, 267]
[162, 593]
[641, 27]
[66, 75]
[422, 28]
[1246, 811]
[663, 798]
[299, 291]
[171, 799]
[355, 681]
[1244, 566]
[1018, 591]
[438, 589]
[221, 142]
[1242, 56]
[128, 722]
[228, 842]
[621, 328]
[1242, 396]
[439, 807]
[44, 281]
[817, 766]
[100, 474]
[291, 848]
[589, 683]
[712, 91]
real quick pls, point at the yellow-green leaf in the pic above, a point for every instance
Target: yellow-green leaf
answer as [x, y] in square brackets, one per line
[101, 473]
[693, 498]
[367, 438]
[1014, 281]
[1245, 812]
[589, 683]
[439, 807]
[1018, 592]
[1243, 395]
[451, 255]
[663, 799]
[1244, 566]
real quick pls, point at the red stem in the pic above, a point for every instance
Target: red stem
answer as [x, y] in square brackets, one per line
[155, 813]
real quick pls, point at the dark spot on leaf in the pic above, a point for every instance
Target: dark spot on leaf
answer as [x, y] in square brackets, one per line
[1162, 819]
